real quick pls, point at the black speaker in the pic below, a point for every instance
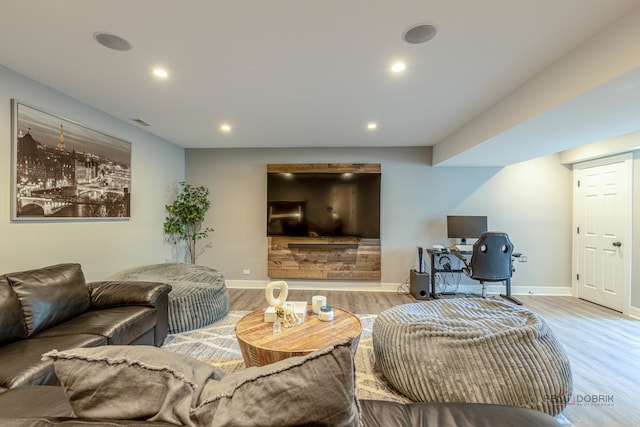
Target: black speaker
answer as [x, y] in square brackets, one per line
[419, 285]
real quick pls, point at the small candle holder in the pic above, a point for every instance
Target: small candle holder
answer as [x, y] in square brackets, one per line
[326, 313]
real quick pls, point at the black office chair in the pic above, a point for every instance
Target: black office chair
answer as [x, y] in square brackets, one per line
[491, 261]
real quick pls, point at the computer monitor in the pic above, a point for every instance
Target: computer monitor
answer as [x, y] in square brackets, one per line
[465, 227]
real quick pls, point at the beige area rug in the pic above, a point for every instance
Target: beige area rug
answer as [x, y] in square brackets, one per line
[217, 345]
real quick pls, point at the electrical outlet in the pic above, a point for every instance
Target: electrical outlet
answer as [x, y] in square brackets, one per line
[246, 271]
[522, 258]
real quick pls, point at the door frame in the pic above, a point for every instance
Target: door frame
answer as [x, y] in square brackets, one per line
[627, 158]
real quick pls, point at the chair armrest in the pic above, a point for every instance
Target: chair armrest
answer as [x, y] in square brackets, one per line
[112, 293]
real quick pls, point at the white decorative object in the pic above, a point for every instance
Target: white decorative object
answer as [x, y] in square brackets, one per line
[318, 301]
[282, 296]
[291, 318]
[299, 308]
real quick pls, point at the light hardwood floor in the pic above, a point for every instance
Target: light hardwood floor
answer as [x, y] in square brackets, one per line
[603, 347]
[355, 302]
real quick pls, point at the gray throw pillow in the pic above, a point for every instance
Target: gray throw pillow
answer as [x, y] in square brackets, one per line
[317, 389]
[132, 382]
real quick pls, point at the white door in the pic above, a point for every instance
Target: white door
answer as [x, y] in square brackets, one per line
[602, 217]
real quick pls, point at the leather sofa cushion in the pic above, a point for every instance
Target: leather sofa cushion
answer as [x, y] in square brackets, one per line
[50, 295]
[119, 325]
[21, 364]
[11, 321]
[35, 401]
[377, 413]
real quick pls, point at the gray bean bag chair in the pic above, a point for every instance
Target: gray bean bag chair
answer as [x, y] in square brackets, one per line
[472, 350]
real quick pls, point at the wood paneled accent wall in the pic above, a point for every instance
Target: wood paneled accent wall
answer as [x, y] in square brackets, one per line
[336, 258]
[328, 258]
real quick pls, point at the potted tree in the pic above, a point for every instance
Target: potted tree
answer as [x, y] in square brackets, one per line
[185, 215]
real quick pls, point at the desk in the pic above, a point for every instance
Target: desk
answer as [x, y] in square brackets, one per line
[435, 256]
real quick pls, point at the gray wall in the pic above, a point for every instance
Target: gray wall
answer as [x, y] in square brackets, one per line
[531, 201]
[102, 247]
[415, 201]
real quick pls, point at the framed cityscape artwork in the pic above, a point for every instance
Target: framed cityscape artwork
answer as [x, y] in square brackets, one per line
[63, 170]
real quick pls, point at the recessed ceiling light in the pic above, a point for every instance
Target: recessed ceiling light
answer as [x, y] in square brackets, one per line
[372, 126]
[398, 67]
[112, 41]
[225, 128]
[161, 73]
[420, 33]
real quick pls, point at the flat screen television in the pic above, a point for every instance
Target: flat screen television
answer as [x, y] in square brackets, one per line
[465, 227]
[323, 204]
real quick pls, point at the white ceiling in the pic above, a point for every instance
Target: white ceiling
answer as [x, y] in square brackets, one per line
[291, 73]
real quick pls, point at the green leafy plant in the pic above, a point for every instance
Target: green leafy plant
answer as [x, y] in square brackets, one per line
[185, 215]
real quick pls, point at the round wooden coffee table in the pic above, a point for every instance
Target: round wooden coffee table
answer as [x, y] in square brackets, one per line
[260, 346]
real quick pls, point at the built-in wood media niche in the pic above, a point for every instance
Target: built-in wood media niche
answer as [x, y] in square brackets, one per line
[323, 221]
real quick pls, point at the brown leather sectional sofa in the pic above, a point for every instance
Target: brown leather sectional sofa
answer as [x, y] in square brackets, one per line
[53, 308]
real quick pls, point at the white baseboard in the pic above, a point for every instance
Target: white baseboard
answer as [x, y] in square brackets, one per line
[564, 291]
[331, 285]
[324, 285]
[634, 312]
[515, 290]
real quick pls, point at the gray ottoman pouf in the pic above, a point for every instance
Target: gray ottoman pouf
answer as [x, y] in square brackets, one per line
[472, 350]
[198, 296]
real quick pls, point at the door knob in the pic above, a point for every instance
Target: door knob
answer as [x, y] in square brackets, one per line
[617, 244]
